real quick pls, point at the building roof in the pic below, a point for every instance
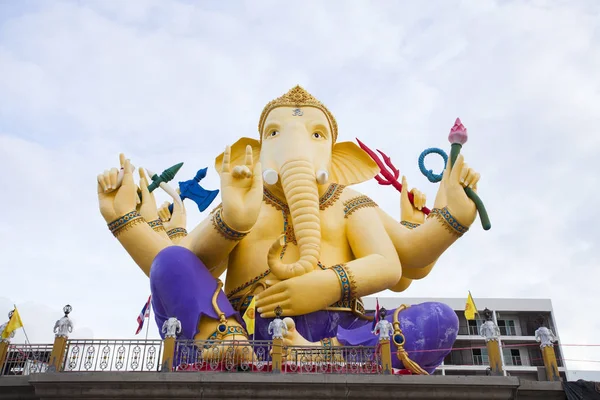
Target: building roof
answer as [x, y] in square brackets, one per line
[496, 304]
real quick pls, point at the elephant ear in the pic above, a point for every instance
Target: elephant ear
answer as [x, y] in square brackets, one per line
[351, 165]
[238, 153]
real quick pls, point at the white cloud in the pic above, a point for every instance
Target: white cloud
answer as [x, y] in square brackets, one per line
[177, 81]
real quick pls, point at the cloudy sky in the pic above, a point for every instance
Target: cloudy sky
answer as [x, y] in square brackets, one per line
[171, 81]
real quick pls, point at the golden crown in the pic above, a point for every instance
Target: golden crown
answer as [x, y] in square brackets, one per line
[297, 97]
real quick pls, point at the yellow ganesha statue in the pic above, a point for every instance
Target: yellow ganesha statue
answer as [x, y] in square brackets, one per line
[291, 233]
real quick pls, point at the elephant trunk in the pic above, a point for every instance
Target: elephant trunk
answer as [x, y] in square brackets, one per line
[300, 189]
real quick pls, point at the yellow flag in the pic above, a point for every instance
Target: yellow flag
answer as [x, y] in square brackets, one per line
[470, 308]
[249, 316]
[14, 324]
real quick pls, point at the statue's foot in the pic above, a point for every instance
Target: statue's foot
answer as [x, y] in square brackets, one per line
[293, 337]
[232, 347]
[235, 352]
[298, 349]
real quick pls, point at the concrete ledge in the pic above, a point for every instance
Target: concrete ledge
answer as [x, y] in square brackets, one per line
[16, 387]
[181, 385]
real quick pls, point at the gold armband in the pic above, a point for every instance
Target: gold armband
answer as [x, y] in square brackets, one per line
[347, 282]
[157, 225]
[176, 233]
[125, 222]
[356, 203]
[327, 347]
[409, 225]
[450, 223]
[225, 230]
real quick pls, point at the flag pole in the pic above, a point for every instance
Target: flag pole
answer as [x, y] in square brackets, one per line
[22, 326]
[148, 324]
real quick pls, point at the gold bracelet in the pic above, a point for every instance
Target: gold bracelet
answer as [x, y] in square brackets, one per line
[347, 282]
[176, 233]
[450, 223]
[157, 225]
[125, 222]
[327, 346]
[225, 230]
[409, 225]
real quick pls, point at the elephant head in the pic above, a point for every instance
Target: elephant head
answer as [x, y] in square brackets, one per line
[298, 152]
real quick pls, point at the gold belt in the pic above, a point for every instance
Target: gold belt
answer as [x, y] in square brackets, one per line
[354, 306]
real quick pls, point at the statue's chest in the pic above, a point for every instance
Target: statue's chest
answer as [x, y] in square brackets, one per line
[273, 222]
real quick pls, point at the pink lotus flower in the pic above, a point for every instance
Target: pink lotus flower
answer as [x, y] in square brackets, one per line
[458, 133]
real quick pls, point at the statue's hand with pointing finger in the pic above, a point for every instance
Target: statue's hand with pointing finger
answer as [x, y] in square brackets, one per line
[117, 192]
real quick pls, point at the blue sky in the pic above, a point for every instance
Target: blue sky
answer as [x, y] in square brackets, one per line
[171, 81]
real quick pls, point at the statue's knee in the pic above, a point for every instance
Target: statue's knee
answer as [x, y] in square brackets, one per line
[173, 261]
[445, 312]
[447, 321]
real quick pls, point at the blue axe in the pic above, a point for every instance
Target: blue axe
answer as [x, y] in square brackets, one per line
[192, 190]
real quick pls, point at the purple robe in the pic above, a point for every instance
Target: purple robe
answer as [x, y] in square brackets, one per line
[182, 287]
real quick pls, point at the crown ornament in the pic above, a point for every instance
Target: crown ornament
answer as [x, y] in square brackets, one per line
[297, 97]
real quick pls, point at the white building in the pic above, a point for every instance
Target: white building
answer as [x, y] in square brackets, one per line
[516, 318]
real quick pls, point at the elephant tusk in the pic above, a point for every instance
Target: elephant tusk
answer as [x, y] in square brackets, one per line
[270, 176]
[322, 177]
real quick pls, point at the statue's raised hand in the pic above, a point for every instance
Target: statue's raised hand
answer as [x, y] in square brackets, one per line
[452, 193]
[177, 219]
[147, 207]
[412, 212]
[241, 191]
[116, 199]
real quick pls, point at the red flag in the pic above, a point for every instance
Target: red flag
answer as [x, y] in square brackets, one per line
[376, 319]
[145, 313]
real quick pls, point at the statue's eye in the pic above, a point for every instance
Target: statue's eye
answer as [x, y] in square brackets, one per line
[274, 133]
[317, 135]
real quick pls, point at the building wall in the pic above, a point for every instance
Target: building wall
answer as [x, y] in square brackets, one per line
[516, 319]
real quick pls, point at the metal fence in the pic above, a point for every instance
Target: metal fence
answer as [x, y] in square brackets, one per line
[25, 359]
[335, 360]
[189, 355]
[112, 355]
[255, 356]
[223, 356]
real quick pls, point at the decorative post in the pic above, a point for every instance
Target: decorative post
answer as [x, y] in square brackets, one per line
[62, 328]
[171, 328]
[547, 338]
[277, 328]
[384, 329]
[489, 330]
[5, 343]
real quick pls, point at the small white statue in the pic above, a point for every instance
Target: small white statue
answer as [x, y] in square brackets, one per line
[489, 331]
[383, 328]
[277, 328]
[10, 335]
[545, 336]
[63, 327]
[171, 327]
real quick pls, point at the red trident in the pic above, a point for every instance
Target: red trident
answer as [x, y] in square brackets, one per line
[388, 176]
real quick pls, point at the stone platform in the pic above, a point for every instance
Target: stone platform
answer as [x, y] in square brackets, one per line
[178, 385]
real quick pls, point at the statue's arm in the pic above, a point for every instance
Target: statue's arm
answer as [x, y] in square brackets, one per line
[142, 243]
[377, 266]
[418, 248]
[207, 242]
